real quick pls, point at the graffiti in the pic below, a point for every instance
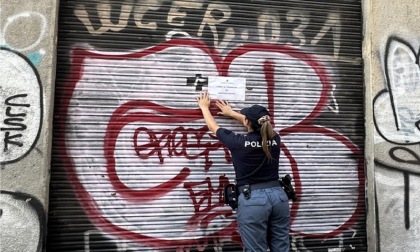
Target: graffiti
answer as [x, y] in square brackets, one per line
[339, 244]
[33, 21]
[26, 21]
[399, 102]
[157, 153]
[396, 118]
[175, 17]
[12, 122]
[198, 81]
[129, 140]
[215, 18]
[93, 237]
[21, 216]
[21, 96]
[332, 23]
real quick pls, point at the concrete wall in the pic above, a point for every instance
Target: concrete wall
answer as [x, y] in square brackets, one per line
[27, 70]
[392, 41]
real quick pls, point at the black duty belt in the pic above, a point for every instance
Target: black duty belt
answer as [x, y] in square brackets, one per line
[262, 185]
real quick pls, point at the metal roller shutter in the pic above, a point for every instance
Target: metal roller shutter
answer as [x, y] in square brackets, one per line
[134, 167]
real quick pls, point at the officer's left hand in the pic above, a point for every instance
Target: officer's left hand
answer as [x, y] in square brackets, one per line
[225, 108]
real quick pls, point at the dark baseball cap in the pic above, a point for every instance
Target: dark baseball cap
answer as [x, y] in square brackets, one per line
[254, 113]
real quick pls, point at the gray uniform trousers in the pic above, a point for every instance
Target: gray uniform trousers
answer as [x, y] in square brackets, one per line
[264, 220]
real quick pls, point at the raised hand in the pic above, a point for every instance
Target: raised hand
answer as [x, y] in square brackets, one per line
[203, 100]
[225, 108]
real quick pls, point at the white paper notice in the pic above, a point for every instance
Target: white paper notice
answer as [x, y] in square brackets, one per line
[227, 88]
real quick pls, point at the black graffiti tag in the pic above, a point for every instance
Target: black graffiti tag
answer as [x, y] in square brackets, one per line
[14, 122]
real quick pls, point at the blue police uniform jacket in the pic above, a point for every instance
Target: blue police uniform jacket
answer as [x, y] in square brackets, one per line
[247, 155]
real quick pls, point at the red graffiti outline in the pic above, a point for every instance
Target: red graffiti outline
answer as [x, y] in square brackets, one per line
[357, 154]
[78, 55]
[118, 121]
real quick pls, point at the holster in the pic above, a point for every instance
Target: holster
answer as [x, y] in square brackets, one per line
[285, 183]
[230, 196]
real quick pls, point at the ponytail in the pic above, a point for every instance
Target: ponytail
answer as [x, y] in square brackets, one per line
[267, 133]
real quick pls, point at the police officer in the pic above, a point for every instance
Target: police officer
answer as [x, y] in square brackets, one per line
[263, 213]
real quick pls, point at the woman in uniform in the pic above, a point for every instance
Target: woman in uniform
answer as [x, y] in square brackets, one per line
[263, 213]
